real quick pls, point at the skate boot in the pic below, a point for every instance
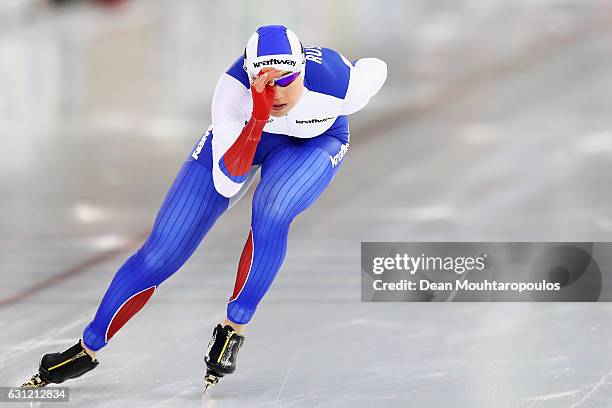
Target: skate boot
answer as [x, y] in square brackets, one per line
[58, 367]
[221, 354]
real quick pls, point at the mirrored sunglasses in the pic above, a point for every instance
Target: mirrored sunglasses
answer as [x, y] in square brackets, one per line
[287, 79]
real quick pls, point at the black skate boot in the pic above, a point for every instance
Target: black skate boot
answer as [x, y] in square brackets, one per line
[58, 367]
[221, 354]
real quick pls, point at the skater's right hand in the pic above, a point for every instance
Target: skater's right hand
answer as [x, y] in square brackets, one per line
[263, 92]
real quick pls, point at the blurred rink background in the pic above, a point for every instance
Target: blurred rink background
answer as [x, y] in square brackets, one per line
[495, 124]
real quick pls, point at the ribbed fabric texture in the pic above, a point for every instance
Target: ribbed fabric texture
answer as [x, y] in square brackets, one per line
[189, 210]
[294, 173]
[293, 177]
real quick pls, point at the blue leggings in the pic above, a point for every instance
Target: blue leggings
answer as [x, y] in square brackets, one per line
[294, 172]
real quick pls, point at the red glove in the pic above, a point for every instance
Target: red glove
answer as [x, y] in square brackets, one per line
[239, 157]
[262, 102]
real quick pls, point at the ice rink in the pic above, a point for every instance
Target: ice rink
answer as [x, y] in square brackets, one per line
[495, 124]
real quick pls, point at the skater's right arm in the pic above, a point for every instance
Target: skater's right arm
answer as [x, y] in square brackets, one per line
[234, 142]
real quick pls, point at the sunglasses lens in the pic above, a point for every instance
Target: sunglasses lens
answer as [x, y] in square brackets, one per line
[287, 80]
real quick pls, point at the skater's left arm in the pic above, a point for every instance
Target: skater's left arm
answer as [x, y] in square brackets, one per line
[367, 77]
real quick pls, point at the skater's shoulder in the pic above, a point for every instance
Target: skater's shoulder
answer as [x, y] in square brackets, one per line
[236, 71]
[327, 71]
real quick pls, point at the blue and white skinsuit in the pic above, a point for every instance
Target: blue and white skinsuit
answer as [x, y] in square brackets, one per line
[298, 155]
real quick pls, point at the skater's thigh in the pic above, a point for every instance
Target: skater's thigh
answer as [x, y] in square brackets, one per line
[191, 207]
[294, 176]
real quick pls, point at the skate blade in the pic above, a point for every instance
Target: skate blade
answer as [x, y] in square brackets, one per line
[209, 381]
[34, 382]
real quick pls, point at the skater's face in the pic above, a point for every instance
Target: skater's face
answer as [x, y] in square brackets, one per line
[286, 97]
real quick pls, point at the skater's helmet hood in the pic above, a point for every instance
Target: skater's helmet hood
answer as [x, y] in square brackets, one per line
[274, 46]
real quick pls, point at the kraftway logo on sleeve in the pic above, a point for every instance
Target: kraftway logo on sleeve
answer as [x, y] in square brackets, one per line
[313, 120]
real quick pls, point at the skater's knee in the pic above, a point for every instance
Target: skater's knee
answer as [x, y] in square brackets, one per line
[272, 214]
[154, 257]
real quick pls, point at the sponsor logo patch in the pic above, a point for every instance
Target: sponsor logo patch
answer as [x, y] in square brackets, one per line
[274, 61]
[313, 120]
[335, 160]
[198, 149]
